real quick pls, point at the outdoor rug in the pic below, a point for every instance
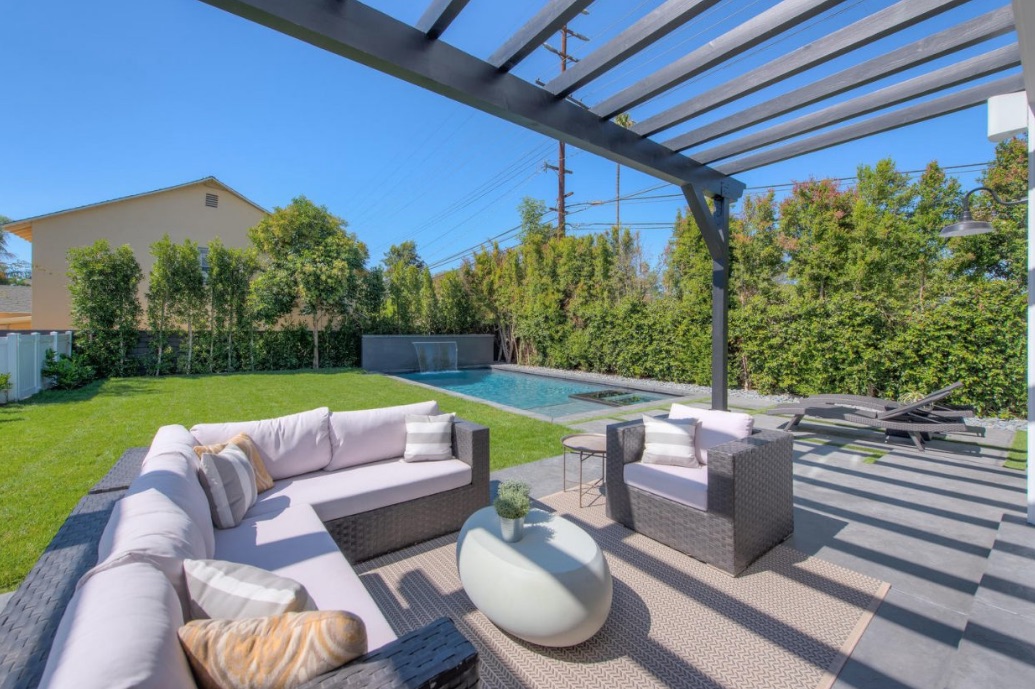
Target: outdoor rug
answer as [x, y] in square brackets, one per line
[789, 621]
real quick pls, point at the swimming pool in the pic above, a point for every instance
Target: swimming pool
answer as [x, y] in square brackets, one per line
[541, 394]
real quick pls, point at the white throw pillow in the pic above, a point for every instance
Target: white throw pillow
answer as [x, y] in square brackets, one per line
[669, 442]
[289, 445]
[370, 435]
[716, 427]
[229, 483]
[428, 437]
[231, 590]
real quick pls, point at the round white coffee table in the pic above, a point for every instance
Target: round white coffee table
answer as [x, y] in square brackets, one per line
[552, 588]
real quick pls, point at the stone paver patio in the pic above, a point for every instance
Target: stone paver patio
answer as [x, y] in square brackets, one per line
[946, 528]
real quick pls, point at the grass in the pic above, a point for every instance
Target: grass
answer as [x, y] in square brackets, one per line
[58, 444]
[1017, 457]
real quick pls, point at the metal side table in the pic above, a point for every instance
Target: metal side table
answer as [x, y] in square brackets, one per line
[585, 446]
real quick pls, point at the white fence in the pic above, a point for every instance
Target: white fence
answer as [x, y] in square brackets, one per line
[23, 355]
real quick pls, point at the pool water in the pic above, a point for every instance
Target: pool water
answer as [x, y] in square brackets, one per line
[541, 394]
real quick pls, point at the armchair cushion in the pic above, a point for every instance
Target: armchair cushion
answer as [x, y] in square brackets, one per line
[687, 486]
[669, 441]
[716, 427]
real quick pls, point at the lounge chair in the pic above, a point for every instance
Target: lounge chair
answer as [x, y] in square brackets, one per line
[918, 420]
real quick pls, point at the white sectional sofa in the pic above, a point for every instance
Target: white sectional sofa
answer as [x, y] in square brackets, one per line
[340, 490]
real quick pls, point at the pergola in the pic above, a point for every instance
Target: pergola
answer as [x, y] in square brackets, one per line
[690, 159]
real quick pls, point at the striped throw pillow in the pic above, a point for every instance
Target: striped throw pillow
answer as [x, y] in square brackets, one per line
[669, 442]
[271, 652]
[229, 482]
[230, 590]
[263, 481]
[428, 437]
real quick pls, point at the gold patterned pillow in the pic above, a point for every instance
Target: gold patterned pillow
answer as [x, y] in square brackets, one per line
[271, 652]
[263, 480]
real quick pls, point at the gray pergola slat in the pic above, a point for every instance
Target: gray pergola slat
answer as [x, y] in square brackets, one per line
[756, 30]
[439, 15]
[987, 26]
[968, 70]
[961, 100]
[890, 20]
[654, 26]
[364, 35]
[548, 20]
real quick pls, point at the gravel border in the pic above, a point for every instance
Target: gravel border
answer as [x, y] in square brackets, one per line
[685, 389]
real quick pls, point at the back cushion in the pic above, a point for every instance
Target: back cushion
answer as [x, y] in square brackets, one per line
[171, 468]
[119, 630]
[147, 525]
[369, 435]
[716, 427]
[289, 445]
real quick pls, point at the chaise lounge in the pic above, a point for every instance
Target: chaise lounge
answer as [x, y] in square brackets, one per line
[339, 489]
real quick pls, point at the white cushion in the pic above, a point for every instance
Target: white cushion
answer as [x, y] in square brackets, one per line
[680, 484]
[294, 543]
[229, 482]
[669, 441]
[119, 631]
[232, 590]
[289, 445]
[150, 525]
[428, 437]
[171, 469]
[366, 487]
[370, 435]
[716, 427]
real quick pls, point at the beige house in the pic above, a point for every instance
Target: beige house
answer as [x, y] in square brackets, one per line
[200, 211]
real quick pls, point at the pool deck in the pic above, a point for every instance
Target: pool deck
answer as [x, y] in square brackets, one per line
[945, 527]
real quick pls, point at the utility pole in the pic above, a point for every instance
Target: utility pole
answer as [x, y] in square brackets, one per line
[560, 167]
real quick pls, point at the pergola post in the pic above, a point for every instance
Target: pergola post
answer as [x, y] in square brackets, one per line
[714, 224]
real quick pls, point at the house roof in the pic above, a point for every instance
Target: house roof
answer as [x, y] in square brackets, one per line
[15, 299]
[23, 228]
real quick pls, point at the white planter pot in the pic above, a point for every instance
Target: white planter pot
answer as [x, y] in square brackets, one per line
[512, 530]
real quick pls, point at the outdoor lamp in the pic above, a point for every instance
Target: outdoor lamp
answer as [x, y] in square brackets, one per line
[966, 225]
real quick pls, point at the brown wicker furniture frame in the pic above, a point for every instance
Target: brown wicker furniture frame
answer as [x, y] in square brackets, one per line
[437, 655]
[750, 498]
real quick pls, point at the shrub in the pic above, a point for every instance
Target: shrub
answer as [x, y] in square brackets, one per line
[512, 500]
[68, 372]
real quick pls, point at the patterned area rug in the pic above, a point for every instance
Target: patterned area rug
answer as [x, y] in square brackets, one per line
[788, 621]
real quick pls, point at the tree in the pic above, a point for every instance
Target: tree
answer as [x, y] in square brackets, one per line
[428, 304]
[310, 263]
[403, 268]
[533, 229]
[190, 302]
[103, 285]
[625, 122]
[229, 287]
[4, 253]
[161, 291]
[456, 309]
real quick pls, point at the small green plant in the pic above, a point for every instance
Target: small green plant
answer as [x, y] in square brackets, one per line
[5, 385]
[512, 501]
[68, 372]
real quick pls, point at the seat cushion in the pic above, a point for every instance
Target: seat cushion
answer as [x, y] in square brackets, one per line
[365, 487]
[289, 445]
[371, 435]
[119, 630]
[293, 543]
[687, 486]
[715, 428]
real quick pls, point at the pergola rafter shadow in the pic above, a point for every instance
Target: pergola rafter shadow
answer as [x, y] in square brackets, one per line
[418, 54]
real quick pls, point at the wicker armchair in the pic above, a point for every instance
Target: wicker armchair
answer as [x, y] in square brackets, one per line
[750, 498]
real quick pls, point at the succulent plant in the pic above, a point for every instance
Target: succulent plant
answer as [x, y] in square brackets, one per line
[512, 501]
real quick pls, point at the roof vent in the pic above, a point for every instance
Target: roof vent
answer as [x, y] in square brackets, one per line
[212, 200]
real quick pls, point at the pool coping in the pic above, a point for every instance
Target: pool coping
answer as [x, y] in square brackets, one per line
[560, 420]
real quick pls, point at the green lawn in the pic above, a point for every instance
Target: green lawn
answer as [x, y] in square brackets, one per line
[1017, 458]
[58, 444]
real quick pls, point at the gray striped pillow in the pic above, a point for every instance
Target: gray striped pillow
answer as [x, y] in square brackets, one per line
[669, 442]
[229, 482]
[428, 437]
[230, 590]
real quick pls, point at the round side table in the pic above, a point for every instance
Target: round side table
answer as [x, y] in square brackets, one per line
[552, 588]
[585, 446]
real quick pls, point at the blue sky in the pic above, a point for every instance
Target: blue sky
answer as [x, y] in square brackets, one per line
[117, 97]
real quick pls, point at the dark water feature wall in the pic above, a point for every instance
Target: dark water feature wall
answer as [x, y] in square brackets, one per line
[398, 353]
